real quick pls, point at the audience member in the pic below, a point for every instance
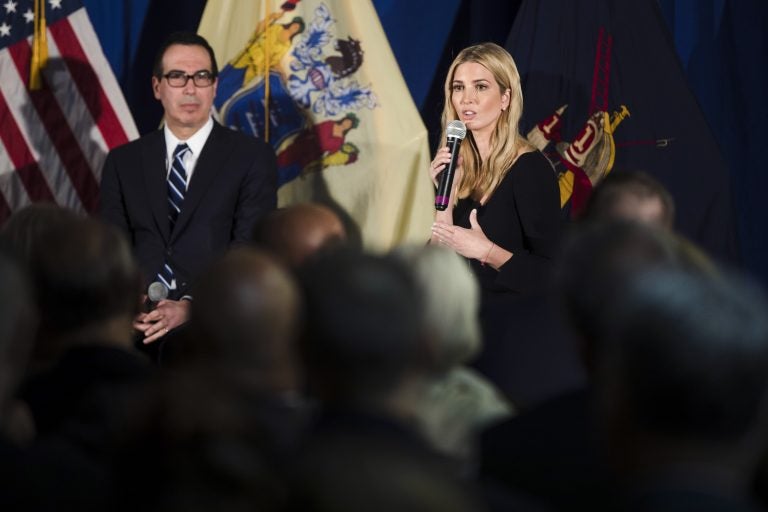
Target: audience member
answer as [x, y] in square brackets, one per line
[196, 443]
[631, 195]
[86, 285]
[549, 452]
[681, 390]
[247, 314]
[243, 334]
[295, 233]
[24, 231]
[457, 401]
[17, 324]
[366, 356]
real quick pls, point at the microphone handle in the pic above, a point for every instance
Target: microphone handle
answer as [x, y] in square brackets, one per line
[445, 184]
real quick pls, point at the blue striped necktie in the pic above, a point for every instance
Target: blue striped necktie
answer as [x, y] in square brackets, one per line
[177, 188]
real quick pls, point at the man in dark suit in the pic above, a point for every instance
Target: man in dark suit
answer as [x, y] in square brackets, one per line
[187, 192]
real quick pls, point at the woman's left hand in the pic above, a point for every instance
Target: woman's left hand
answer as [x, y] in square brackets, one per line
[470, 243]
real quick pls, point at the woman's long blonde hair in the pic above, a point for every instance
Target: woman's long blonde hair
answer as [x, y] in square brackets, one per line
[506, 142]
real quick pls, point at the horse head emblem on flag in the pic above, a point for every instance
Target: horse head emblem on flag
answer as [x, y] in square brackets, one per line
[307, 111]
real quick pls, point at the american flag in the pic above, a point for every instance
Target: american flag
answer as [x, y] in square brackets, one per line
[53, 141]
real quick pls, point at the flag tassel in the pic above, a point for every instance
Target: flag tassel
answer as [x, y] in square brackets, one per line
[39, 48]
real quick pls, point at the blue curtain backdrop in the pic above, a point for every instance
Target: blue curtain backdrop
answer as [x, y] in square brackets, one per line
[720, 43]
[723, 47]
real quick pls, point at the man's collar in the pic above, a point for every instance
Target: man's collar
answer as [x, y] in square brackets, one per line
[195, 142]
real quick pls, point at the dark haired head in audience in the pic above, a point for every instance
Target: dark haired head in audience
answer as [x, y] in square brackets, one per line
[683, 385]
[17, 328]
[246, 317]
[596, 258]
[87, 285]
[192, 444]
[83, 273]
[25, 232]
[295, 233]
[631, 195]
[363, 334]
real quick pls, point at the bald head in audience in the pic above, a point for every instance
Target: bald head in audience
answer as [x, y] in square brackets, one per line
[246, 313]
[297, 232]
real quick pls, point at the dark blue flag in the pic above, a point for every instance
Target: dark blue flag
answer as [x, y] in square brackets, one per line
[598, 55]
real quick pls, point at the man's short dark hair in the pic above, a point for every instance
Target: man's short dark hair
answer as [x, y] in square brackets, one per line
[85, 275]
[17, 325]
[363, 326]
[184, 39]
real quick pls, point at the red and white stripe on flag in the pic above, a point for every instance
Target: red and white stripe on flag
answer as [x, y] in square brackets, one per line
[53, 141]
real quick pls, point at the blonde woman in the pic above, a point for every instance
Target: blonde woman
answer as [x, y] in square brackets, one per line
[504, 210]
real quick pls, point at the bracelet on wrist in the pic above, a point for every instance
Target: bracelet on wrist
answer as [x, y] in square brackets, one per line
[485, 260]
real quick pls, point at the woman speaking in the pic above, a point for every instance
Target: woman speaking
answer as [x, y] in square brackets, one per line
[503, 214]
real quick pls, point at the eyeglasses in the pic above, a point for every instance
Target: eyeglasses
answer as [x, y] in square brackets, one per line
[199, 78]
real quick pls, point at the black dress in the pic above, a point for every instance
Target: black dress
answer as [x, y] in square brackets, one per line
[523, 217]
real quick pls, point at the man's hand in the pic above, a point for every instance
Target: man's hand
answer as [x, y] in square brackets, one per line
[168, 315]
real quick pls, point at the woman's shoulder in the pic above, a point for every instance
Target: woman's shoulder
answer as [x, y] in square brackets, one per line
[530, 166]
[533, 159]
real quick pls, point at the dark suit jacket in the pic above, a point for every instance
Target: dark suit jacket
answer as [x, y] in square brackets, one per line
[233, 185]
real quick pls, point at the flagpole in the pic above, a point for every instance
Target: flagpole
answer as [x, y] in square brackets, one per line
[267, 64]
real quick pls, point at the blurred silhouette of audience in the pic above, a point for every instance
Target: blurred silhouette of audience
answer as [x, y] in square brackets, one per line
[86, 289]
[457, 401]
[681, 390]
[225, 420]
[196, 442]
[17, 328]
[549, 451]
[367, 358]
[315, 377]
[244, 327]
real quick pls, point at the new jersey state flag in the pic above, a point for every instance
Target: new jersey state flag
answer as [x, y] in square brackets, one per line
[317, 79]
[54, 138]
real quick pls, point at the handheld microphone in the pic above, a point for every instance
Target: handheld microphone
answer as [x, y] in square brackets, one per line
[455, 133]
[156, 292]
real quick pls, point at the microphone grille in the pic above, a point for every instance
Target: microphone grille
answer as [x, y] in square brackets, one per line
[157, 291]
[456, 129]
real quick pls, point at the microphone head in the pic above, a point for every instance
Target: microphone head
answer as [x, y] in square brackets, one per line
[456, 130]
[157, 291]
